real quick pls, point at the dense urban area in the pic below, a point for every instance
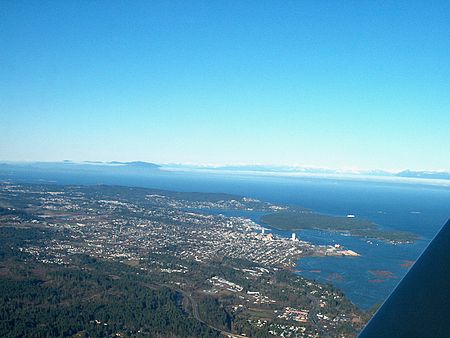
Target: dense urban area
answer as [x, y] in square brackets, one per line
[88, 261]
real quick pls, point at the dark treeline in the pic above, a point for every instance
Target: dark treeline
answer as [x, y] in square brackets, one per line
[211, 311]
[62, 302]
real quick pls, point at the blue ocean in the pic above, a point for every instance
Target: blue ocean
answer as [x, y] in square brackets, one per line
[367, 280]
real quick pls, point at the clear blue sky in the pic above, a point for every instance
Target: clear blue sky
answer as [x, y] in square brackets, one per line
[362, 84]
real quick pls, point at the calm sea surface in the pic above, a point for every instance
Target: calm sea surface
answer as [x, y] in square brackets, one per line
[366, 280]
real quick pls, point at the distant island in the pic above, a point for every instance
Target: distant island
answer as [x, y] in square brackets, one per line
[10, 170]
[293, 220]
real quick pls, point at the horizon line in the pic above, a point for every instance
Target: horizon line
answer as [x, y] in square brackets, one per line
[216, 166]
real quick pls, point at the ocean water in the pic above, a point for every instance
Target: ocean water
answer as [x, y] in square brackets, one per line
[367, 280]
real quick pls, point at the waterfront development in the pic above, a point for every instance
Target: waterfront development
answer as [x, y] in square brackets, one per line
[414, 208]
[129, 223]
[230, 271]
[230, 275]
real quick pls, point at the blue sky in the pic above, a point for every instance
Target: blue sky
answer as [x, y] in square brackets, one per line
[342, 84]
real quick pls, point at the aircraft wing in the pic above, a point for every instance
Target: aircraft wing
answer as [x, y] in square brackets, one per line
[420, 304]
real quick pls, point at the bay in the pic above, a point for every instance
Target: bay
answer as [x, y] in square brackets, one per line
[367, 280]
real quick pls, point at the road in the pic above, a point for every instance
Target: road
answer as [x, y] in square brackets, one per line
[196, 315]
